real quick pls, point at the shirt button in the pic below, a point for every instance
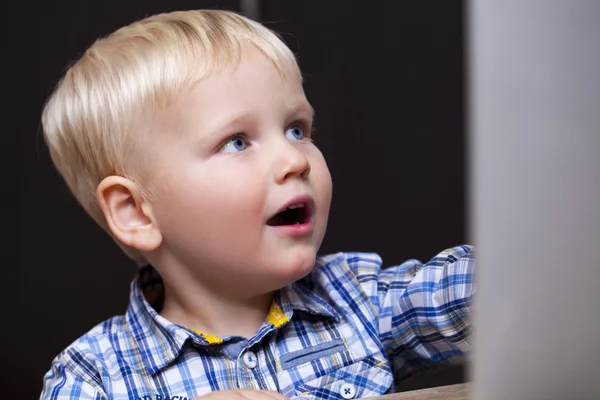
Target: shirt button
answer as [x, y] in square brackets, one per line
[347, 391]
[249, 359]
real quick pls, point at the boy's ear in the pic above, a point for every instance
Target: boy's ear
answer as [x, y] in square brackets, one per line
[127, 214]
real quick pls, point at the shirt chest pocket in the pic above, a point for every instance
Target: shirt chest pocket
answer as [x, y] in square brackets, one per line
[328, 371]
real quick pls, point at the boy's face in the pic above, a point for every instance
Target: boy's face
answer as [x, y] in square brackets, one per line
[231, 153]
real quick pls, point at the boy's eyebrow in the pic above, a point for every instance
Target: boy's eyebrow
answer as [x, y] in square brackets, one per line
[224, 122]
[219, 125]
[303, 107]
[309, 109]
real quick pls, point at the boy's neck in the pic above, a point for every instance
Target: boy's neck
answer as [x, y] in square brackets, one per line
[205, 312]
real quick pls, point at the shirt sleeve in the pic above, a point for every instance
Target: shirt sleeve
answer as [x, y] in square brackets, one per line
[425, 309]
[60, 383]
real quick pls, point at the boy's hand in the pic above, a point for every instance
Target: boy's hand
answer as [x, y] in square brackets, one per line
[242, 394]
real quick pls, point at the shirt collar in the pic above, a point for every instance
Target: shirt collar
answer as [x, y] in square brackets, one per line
[160, 341]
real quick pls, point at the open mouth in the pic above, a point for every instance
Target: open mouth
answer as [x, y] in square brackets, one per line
[294, 214]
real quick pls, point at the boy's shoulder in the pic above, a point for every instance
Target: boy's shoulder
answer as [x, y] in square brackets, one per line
[112, 327]
[351, 268]
[347, 279]
[110, 330]
[83, 356]
[354, 260]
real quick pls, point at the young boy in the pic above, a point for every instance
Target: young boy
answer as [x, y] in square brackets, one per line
[187, 137]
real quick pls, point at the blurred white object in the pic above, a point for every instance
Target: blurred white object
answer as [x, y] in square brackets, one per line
[534, 94]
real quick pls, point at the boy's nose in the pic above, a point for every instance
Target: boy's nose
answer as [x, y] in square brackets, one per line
[291, 162]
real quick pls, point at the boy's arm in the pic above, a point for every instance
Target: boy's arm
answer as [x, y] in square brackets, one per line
[60, 383]
[425, 309]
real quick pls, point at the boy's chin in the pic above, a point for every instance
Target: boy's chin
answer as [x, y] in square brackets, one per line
[297, 264]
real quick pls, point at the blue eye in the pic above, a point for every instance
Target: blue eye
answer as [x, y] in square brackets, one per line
[235, 144]
[295, 133]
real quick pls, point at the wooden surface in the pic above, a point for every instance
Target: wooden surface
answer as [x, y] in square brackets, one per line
[452, 392]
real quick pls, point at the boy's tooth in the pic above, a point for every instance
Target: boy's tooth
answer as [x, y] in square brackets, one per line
[296, 206]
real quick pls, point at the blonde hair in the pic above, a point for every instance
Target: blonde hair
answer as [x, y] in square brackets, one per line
[88, 120]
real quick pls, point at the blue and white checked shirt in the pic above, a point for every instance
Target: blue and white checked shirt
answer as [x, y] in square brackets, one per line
[347, 330]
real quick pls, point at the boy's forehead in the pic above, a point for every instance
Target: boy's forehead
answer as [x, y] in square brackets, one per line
[253, 78]
[254, 63]
[222, 97]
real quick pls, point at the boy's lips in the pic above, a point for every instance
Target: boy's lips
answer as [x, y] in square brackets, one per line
[295, 216]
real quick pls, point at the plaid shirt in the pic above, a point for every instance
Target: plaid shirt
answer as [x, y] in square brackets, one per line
[347, 330]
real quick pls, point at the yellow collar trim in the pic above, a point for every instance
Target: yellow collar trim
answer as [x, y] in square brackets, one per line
[276, 317]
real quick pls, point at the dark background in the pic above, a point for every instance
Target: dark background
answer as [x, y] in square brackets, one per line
[386, 81]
